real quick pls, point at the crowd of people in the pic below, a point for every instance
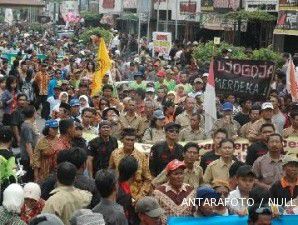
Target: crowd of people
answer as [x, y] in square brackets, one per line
[83, 166]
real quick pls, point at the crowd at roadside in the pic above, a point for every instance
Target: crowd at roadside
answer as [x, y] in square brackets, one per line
[83, 167]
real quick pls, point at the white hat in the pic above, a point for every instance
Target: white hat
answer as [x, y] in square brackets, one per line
[32, 191]
[205, 75]
[267, 105]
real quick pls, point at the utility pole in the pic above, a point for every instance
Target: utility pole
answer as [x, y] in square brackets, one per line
[149, 17]
[157, 17]
[167, 16]
[239, 26]
[176, 22]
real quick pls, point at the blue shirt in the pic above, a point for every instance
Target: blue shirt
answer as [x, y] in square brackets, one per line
[52, 84]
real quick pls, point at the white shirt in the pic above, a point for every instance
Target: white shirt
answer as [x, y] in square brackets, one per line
[235, 203]
[53, 103]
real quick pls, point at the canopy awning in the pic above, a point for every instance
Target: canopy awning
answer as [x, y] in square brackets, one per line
[22, 3]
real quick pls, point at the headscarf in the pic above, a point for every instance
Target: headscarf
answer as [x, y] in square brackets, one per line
[63, 93]
[13, 198]
[87, 102]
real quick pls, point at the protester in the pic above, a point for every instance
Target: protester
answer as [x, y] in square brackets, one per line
[28, 139]
[243, 117]
[7, 160]
[149, 211]
[184, 118]
[130, 119]
[227, 122]
[106, 183]
[9, 99]
[17, 117]
[193, 132]
[193, 173]
[13, 200]
[292, 131]
[260, 147]
[155, 132]
[33, 204]
[45, 152]
[172, 195]
[259, 215]
[86, 216]
[66, 198]
[254, 115]
[101, 148]
[127, 169]
[206, 210]
[232, 174]
[141, 184]
[164, 152]
[214, 154]
[286, 189]
[42, 80]
[245, 179]
[268, 168]
[266, 117]
[219, 169]
[223, 188]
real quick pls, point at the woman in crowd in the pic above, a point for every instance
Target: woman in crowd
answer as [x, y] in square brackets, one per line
[9, 99]
[33, 204]
[44, 157]
[13, 200]
[155, 132]
[83, 102]
[89, 71]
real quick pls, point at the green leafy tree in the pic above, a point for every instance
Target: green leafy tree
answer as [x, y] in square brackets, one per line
[91, 19]
[204, 52]
[85, 36]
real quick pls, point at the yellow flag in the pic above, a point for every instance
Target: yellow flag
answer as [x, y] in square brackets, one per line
[104, 65]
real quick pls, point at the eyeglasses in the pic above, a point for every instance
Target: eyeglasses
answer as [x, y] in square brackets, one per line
[173, 131]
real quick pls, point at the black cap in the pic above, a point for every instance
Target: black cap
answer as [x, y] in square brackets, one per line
[244, 171]
[172, 125]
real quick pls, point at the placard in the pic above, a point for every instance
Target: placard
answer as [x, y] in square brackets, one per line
[162, 43]
[243, 78]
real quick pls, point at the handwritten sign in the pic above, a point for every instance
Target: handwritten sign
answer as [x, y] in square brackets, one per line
[162, 43]
[243, 78]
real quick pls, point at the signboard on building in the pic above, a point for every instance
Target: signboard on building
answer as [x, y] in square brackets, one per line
[264, 5]
[129, 4]
[243, 78]
[110, 6]
[187, 10]
[216, 21]
[226, 5]
[219, 5]
[162, 43]
[162, 4]
[287, 23]
[288, 5]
